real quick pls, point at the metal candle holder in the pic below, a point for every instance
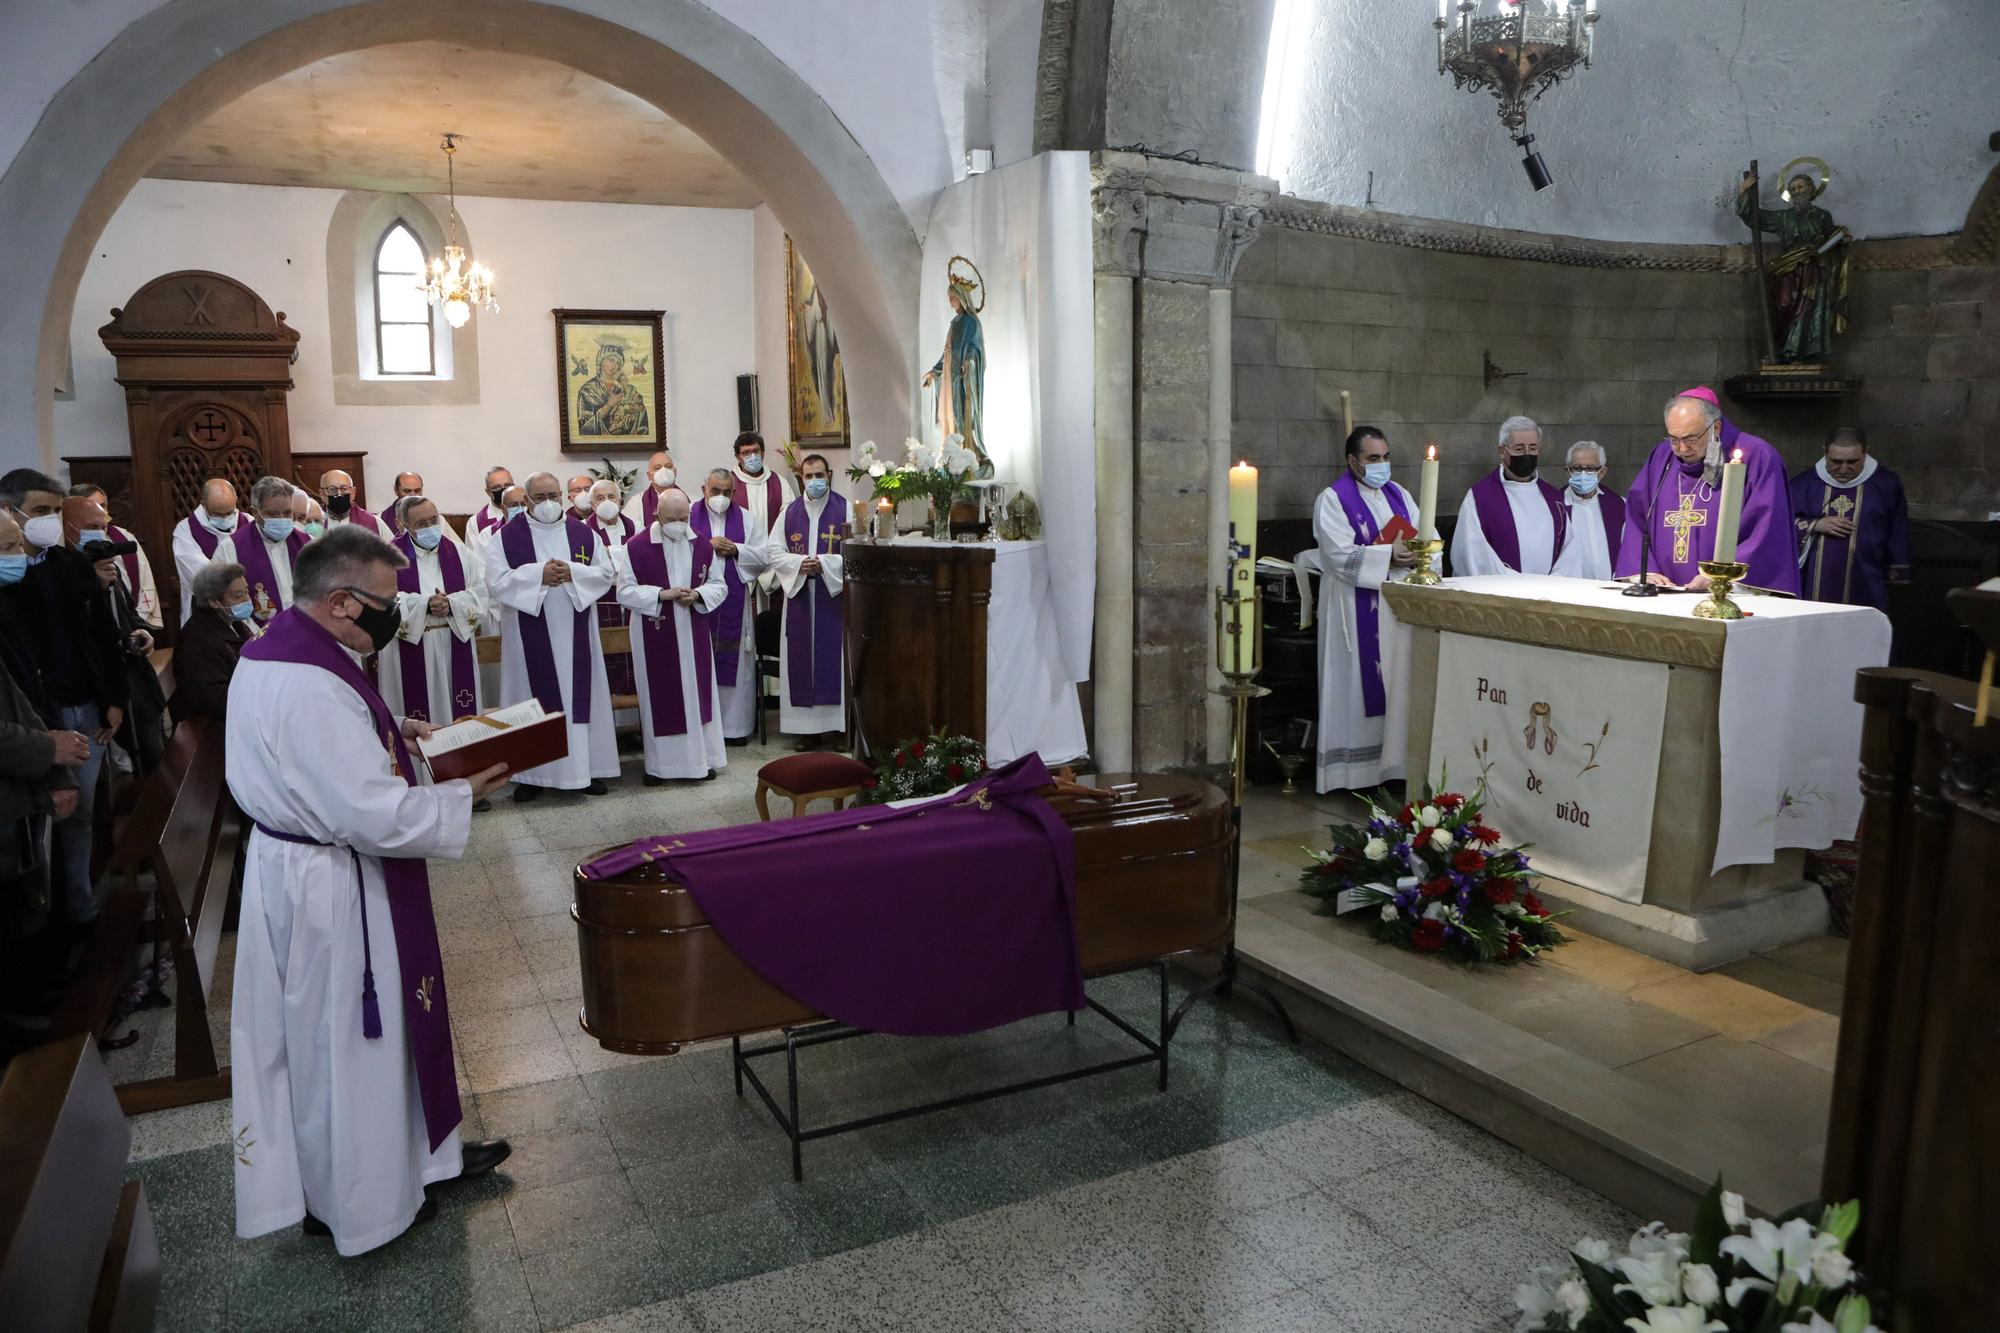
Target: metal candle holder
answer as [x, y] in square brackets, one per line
[1722, 576]
[1423, 548]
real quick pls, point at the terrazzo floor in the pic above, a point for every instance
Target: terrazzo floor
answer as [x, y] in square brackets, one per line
[1271, 1187]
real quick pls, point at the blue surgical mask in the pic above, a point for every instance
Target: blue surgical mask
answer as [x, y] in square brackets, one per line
[515, 511]
[754, 464]
[277, 529]
[13, 568]
[1376, 475]
[221, 522]
[429, 537]
[816, 488]
[85, 536]
[1583, 483]
[313, 531]
[242, 610]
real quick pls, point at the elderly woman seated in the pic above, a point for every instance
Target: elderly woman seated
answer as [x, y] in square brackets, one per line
[205, 655]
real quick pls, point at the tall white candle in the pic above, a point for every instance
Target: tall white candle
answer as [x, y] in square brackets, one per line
[1427, 496]
[1242, 555]
[1732, 509]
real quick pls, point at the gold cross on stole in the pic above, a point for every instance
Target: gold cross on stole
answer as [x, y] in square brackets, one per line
[827, 538]
[1683, 519]
[1842, 506]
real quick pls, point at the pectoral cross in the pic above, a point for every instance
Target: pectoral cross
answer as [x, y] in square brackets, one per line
[1681, 521]
[1842, 506]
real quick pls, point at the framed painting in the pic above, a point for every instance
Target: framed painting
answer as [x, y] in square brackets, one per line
[818, 380]
[611, 381]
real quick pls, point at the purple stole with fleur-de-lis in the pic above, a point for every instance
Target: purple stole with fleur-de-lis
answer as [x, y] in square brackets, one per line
[411, 656]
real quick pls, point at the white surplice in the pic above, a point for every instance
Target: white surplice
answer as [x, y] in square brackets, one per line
[1349, 750]
[739, 701]
[698, 750]
[1590, 554]
[1534, 526]
[799, 719]
[436, 634]
[568, 608]
[189, 557]
[756, 497]
[323, 1118]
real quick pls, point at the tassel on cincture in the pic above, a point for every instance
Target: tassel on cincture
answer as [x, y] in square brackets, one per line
[371, 1012]
[1980, 708]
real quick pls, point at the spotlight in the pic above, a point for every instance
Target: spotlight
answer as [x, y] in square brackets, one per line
[1531, 162]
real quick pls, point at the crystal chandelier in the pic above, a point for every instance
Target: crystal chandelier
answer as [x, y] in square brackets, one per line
[454, 282]
[1517, 50]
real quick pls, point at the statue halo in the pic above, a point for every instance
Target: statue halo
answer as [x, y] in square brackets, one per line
[974, 284]
[1820, 184]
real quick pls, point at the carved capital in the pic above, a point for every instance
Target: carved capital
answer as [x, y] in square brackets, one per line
[1118, 220]
[1239, 227]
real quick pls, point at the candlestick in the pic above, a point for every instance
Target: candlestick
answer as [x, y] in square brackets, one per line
[1427, 495]
[1242, 553]
[1732, 509]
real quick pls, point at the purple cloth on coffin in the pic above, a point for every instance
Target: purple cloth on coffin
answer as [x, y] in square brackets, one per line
[410, 656]
[296, 637]
[1856, 570]
[662, 637]
[1368, 601]
[517, 543]
[989, 940]
[1496, 519]
[1765, 537]
[813, 638]
[726, 620]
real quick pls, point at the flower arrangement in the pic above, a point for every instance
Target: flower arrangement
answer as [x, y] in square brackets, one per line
[934, 470]
[627, 478]
[1437, 879]
[928, 766]
[1732, 1274]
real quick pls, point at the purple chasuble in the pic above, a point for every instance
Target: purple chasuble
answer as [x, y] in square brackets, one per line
[517, 543]
[726, 620]
[295, 637]
[205, 537]
[662, 636]
[1855, 570]
[128, 563]
[254, 554]
[1496, 520]
[1368, 601]
[1684, 520]
[410, 656]
[992, 942]
[812, 619]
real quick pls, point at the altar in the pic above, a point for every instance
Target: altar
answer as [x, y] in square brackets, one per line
[1669, 771]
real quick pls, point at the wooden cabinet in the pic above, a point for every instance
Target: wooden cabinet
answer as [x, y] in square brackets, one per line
[916, 639]
[307, 469]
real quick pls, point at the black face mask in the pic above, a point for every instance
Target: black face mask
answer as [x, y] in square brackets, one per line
[1522, 466]
[378, 623]
[499, 494]
[338, 505]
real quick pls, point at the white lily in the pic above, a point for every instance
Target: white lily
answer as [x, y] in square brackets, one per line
[1654, 1238]
[1832, 1269]
[1699, 1284]
[1677, 1319]
[1732, 1209]
[1815, 1323]
[1436, 912]
[1592, 1250]
[1777, 1253]
[1574, 1298]
[1375, 849]
[1389, 912]
[1536, 1300]
[1654, 1276]
[876, 469]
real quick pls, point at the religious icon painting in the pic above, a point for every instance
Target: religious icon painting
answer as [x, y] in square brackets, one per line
[611, 380]
[818, 378]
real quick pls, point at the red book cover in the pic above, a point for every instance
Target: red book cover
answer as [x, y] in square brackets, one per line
[1397, 529]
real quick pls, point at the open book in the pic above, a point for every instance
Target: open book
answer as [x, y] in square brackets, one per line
[521, 736]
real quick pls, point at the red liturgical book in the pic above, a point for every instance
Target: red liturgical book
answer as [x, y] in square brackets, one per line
[1397, 529]
[521, 737]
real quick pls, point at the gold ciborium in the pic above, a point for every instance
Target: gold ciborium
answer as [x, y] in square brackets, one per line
[1722, 576]
[1423, 548]
[1289, 763]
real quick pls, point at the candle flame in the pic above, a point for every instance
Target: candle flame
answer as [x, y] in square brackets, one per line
[1736, 457]
[1431, 453]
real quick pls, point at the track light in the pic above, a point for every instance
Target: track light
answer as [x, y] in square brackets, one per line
[1531, 162]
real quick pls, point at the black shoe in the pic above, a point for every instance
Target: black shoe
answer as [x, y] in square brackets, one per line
[314, 1227]
[709, 776]
[481, 1156]
[652, 781]
[596, 788]
[735, 740]
[524, 793]
[481, 806]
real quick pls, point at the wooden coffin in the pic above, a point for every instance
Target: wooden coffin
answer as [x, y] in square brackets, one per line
[1152, 881]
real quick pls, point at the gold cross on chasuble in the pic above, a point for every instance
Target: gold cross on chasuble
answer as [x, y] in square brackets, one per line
[1681, 521]
[1842, 506]
[829, 537]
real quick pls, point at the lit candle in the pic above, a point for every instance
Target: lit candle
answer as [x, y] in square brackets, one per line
[1346, 414]
[885, 518]
[1243, 553]
[1732, 509]
[1427, 496]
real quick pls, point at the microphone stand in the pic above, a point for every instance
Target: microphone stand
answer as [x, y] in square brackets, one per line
[1644, 588]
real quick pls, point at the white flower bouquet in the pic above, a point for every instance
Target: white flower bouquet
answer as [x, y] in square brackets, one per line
[936, 471]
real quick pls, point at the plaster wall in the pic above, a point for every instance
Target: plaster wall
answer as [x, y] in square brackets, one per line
[1187, 77]
[694, 263]
[1648, 144]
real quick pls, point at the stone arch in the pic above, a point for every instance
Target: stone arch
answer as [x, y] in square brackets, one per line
[166, 72]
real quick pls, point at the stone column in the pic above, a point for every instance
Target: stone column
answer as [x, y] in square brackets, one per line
[1168, 235]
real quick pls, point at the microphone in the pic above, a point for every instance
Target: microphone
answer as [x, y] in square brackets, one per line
[1643, 588]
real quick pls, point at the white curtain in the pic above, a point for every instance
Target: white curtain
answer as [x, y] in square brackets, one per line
[1027, 228]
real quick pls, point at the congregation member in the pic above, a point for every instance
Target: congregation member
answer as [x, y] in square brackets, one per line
[268, 547]
[407, 484]
[1511, 521]
[1596, 512]
[197, 537]
[211, 641]
[340, 1030]
[494, 512]
[615, 529]
[579, 495]
[738, 543]
[431, 671]
[545, 572]
[62, 627]
[661, 480]
[671, 579]
[1349, 519]
[336, 494]
[803, 552]
[1853, 525]
[142, 738]
[1676, 500]
[135, 570]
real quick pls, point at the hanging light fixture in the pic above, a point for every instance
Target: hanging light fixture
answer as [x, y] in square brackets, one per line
[1517, 50]
[454, 282]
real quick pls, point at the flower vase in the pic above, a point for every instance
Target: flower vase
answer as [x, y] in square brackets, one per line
[940, 518]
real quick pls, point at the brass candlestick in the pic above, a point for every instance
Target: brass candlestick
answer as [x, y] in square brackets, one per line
[1722, 576]
[1423, 548]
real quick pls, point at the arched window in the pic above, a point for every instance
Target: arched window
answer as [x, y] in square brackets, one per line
[404, 341]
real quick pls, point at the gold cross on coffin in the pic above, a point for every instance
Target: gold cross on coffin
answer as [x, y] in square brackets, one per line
[1681, 520]
[1842, 506]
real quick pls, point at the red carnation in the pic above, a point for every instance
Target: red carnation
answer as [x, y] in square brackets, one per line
[917, 750]
[954, 771]
[1498, 891]
[1513, 943]
[1486, 835]
[902, 758]
[871, 783]
[1449, 801]
[1533, 905]
[1428, 937]
[1435, 888]
[1468, 861]
[1406, 816]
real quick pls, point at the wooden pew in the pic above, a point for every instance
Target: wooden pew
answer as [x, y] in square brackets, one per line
[77, 1247]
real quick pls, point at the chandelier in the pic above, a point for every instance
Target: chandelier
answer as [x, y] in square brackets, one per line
[1518, 50]
[453, 281]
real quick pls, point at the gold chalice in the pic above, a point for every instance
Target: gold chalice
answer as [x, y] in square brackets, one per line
[1722, 576]
[1289, 763]
[1423, 576]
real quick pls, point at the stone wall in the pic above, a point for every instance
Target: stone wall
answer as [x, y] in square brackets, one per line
[1404, 329]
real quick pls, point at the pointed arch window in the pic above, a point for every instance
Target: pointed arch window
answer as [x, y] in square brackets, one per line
[405, 341]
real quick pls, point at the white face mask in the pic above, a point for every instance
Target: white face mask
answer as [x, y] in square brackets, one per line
[718, 505]
[547, 511]
[43, 530]
[676, 531]
[221, 522]
[663, 477]
[607, 510]
[580, 502]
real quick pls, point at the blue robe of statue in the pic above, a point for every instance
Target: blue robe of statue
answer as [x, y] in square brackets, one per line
[961, 384]
[1856, 570]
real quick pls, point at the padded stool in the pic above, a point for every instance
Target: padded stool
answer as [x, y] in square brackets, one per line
[807, 777]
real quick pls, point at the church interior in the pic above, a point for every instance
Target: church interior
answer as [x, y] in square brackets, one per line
[1415, 590]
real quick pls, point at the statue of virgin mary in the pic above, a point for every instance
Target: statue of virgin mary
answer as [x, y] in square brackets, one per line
[960, 372]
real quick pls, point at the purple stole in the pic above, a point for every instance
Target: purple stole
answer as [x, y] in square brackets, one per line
[1611, 508]
[208, 538]
[518, 544]
[610, 599]
[361, 518]
[1496, 518]
[662, 636]
[388, 520]
[618, 672]
[812, 623]
[410, 656]
[774, 492]
[728, 617]
[486, 520]
[649, 504]
[1367, 601]
[128, 563]
[295, 637]
[254, 554]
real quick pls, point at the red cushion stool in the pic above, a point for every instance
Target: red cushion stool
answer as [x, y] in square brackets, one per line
[807, 777]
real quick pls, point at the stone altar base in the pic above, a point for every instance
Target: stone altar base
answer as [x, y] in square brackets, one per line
[1780, 907]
